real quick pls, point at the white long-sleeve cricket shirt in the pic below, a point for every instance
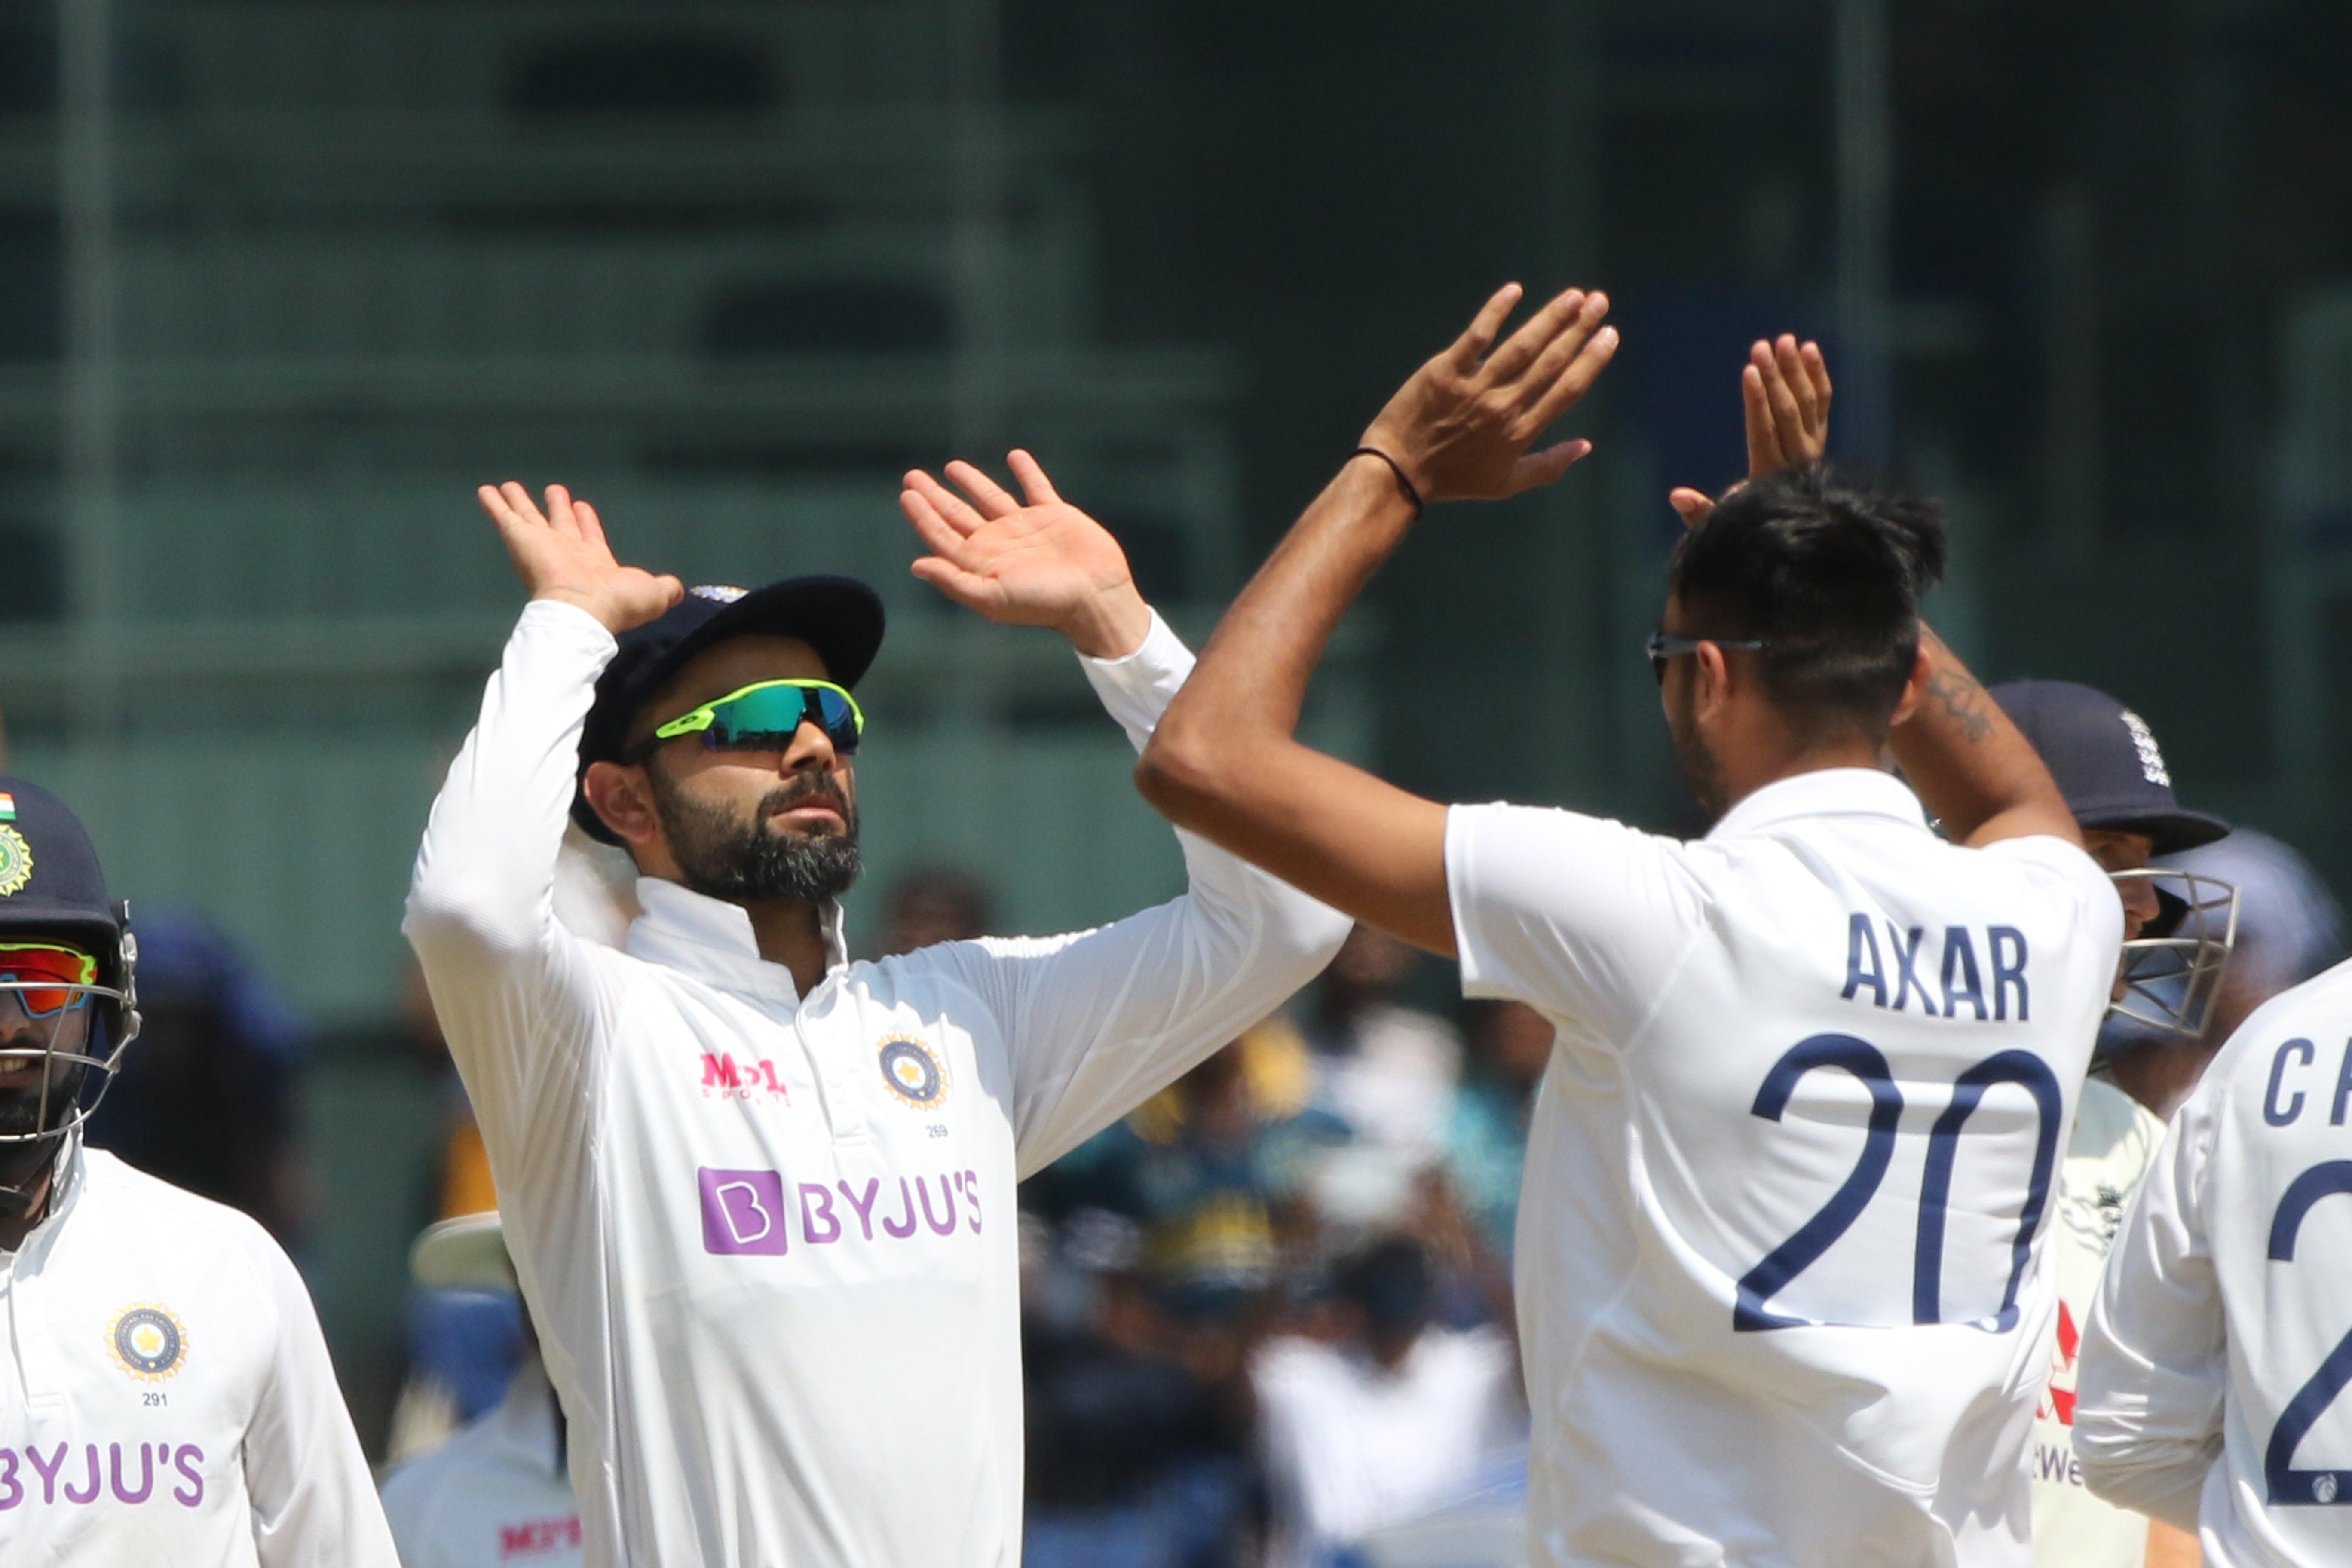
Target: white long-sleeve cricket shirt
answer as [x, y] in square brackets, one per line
[2209, 1389]
[166, 1400]
[768, 1239]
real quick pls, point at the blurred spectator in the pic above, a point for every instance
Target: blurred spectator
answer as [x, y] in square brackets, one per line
[1242, 1120]
[205, 1097]
[1386, 1070]
[498, 1492]
[1216, 1166]
[935, 904]
[1487, 1134]
[2289, 929]
[1372, 1413]
[1139, 1453]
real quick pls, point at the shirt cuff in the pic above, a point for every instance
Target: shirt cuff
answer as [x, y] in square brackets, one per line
[559, 618]
[1136, 689]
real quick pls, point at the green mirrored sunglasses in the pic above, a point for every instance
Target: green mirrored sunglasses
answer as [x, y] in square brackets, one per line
[766, 715]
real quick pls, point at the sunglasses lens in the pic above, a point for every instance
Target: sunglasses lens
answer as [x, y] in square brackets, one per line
[840, 719]
[70, 971]
[768, 719]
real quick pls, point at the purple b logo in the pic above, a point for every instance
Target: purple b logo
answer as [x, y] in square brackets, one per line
[743, 1211]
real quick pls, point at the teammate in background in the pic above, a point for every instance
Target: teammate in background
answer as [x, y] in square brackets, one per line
[166, 1396]
[1794, 1056]
[495, 1494]
[934, 904]
[2176, 934]
[759, 1198]
[2217, 1348]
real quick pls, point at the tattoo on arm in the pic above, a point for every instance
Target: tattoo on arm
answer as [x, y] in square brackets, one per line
[1959, 695]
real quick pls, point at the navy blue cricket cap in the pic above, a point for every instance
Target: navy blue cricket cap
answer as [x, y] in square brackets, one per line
[2105, 760]
[50, 877]
[840, 617]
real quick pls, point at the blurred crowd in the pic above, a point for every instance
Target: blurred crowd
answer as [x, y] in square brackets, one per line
[1267, 1316]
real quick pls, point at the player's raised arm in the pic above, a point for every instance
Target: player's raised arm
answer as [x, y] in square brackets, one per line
[1225, 761]
[480, 906]
[1104, 1017]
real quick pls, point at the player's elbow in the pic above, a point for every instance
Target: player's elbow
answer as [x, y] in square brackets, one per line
[2161, 1475]
[447, 915]
[1179, 776]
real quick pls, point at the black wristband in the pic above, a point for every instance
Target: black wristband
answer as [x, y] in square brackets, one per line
[1404, 481]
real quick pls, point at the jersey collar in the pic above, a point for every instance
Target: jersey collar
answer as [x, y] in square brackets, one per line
[1824, 792]
[65, 1194]
[711, 940]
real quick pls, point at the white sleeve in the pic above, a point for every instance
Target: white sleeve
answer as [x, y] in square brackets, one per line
[2154, 1373]
[1580, 916]
[314, 1503]
[1099, 1021]
[514, 989]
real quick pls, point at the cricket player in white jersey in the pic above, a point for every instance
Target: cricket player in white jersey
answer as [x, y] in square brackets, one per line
[166, 1396]
[2220, 1342]
[1780, 1289]
[2178, 928]
[759, 1198]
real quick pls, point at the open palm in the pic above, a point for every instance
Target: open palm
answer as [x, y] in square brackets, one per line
[1044, 563]
[563, 554]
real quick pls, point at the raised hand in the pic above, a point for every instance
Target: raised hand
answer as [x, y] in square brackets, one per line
[1462, 425]
[1784, 389]
[561, 554]
[1043, 563]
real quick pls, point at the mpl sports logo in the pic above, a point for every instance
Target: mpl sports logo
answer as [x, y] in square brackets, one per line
[725, 1077]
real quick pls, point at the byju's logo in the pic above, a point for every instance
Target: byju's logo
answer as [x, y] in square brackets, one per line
[743, 1211]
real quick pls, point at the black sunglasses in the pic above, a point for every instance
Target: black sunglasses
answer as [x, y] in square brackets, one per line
[1662, 647]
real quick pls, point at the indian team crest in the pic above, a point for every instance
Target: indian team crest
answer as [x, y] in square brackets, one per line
[15, 861]
[148, 1343]
[914, 1072]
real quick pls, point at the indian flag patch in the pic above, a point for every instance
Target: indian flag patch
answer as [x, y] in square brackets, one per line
[7, 806]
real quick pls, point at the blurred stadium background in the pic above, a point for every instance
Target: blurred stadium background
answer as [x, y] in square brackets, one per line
[281, 282]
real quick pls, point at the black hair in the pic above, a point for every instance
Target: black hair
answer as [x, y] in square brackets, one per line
[1828, 575]
[1389, 1279]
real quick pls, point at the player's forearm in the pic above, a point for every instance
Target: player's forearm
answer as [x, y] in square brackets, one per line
[1230, 727]
[1972, 767]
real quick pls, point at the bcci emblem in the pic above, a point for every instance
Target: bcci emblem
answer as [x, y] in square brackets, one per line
[148, 1343]
[15, 861]
[913, 1073]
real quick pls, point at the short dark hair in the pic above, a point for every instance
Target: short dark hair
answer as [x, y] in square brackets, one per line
[1828, 575]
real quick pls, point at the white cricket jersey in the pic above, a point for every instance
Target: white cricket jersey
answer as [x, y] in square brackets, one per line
[2113, 1142]
[495, 1494]
[1780, 1299]
[166, 1400]
[2223, 1334]
[768, 1240]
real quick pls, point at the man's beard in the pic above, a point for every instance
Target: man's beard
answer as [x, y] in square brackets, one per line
[743, 862]
[1700, 769]
[34, 1141]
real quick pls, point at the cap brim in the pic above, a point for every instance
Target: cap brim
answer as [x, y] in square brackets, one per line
[2169, 832]
[468, 1253]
